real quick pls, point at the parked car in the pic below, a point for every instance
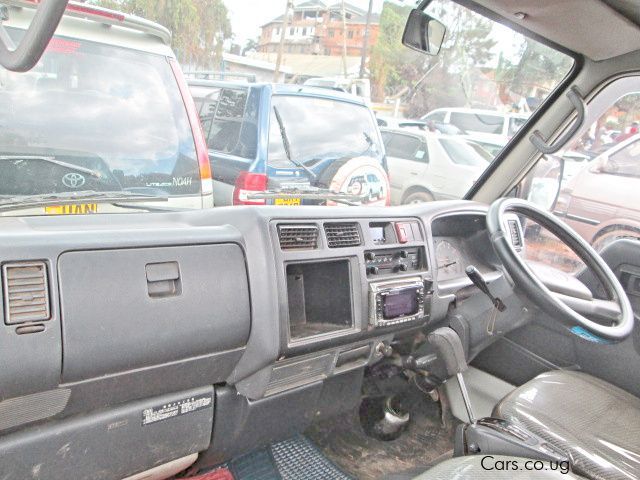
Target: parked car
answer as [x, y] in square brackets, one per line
[360, 87]
[425, 166]
[130, 128]
[596, 201]
[288, 145]
[481, 125]
[394, 122]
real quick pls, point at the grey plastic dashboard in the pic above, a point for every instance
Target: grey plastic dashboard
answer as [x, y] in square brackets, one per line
[227, 319]
[166, 308]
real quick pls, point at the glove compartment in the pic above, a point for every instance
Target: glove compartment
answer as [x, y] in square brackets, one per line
[128, 309]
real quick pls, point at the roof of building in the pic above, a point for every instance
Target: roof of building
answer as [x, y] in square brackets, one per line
[313, 65]
[257, 63]
[357, 14]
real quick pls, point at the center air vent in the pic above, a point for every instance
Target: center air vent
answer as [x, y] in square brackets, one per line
[341, 235]
[26, 292]
[298, 237]
[516, 236]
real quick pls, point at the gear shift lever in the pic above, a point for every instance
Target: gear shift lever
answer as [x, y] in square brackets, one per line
[449, 349]
[490, 436]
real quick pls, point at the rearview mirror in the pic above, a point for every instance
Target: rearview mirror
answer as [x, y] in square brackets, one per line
[423, 33]
[25, 56]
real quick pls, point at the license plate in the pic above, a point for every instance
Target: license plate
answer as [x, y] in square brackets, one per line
[77, 209]
[288, 202]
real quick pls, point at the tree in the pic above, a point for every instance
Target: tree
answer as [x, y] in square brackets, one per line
[426, 81]
[388, 55]
[199, 27]
[251, 45]
[536, 71]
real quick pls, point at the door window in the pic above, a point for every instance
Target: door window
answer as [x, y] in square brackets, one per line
[436, 116]
[625, 162]
[594, 183]
[233, 128]
[476, 122]
[406, 147]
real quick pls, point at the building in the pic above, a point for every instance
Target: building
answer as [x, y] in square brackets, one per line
[316, 28]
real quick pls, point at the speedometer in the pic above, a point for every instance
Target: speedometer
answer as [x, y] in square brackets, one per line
[449, 260]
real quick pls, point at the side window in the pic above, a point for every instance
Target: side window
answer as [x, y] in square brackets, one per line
[234, 129]
[207, 109]
[474, 122]
[625, 162]
[406, 147]
[436, 116]
[593, 184]
[515, 124]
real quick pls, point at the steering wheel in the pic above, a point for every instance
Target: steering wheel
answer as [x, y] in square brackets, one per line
[615, 316]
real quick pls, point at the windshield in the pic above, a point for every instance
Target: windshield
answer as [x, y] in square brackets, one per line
[115, 114]
[286, 102]
[320, 129]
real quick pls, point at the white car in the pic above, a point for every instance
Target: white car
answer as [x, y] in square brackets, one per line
[481, 125]
[426, 166]
[123, 89]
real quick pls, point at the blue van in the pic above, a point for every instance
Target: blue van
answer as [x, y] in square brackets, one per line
[290, 145]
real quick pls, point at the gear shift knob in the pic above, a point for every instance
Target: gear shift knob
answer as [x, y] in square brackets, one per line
[449, 349]
[448, 346]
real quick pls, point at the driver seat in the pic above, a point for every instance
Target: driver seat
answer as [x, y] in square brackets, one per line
[596, 424]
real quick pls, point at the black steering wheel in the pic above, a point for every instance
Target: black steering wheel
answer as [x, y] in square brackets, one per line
[615, 316]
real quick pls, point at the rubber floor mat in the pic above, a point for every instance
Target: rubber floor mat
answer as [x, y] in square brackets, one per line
[299, 459]
[294, 459]
[257, 465]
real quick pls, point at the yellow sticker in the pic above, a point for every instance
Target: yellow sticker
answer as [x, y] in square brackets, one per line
[289, 202]
[77, 209]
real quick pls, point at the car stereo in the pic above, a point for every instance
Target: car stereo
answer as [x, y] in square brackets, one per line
[396, 301]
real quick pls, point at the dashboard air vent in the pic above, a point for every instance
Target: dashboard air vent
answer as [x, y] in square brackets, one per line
[516, 235]
[26, 292]
[298, 237]
[341, 235]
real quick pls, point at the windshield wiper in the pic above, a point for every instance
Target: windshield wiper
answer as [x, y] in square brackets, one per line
[18, 202]
[287, 145]
[42, 158]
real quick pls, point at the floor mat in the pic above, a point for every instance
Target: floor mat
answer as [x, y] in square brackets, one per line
[424, 443]
[293, 459]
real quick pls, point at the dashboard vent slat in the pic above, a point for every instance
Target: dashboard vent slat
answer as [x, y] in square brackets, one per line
[26, 292]
[298, 237]
[342, 235]
[514, 231]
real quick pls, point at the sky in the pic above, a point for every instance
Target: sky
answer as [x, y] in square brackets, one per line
[248, 15]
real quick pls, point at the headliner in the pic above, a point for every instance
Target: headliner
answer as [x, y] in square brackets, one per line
[597, 29]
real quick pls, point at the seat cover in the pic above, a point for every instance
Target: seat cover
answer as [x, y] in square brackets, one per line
[495, 467]
[595, 423]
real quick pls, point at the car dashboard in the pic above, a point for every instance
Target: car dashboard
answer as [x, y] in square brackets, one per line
[171, 330]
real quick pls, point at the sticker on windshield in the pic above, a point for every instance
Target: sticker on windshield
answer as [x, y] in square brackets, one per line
[175, 409]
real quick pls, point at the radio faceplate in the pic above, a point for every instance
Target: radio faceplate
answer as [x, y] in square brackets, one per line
[396, 301]
[394, 261]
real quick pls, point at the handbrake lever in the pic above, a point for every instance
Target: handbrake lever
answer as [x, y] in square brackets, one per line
[478, 280]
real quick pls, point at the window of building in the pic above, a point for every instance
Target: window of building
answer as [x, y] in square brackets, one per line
[350, 34]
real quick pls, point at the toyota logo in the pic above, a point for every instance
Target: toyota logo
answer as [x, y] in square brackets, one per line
[73, 180]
